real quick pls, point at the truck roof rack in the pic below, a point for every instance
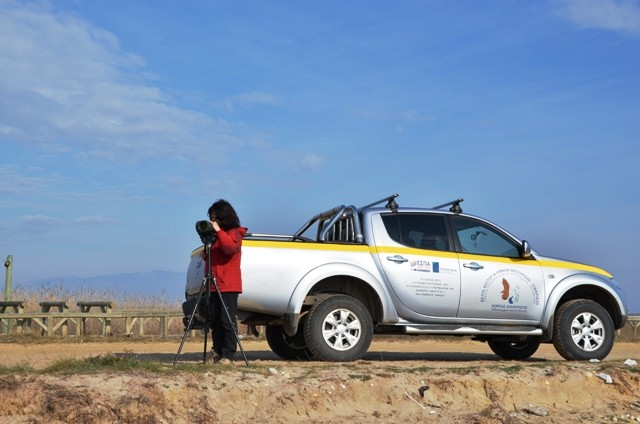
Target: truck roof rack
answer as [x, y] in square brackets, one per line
[455, 205]
[391, 203]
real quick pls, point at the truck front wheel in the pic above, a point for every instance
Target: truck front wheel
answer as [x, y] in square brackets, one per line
[339, 328]
[583, 330]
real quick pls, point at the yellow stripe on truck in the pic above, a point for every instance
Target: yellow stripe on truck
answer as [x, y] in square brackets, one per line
[306, 246]
[573, 265]
[413, 251]
[408, 250]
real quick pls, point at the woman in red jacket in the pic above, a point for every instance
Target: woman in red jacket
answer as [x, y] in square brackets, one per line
[226, 253]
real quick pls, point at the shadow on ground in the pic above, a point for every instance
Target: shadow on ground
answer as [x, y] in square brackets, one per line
[267, 355]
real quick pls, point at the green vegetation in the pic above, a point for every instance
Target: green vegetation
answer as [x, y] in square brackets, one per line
[105, 362]
[360, 377]
[23, 368]
[513, 369]
[127, 362]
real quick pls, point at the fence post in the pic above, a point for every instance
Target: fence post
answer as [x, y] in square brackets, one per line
[8, 264]
[164, 326]
[8, 276]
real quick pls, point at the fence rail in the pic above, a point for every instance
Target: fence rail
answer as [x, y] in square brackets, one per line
[48, 323]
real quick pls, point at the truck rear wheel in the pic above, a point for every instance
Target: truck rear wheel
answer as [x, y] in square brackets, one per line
[583, 330]
[520, 349]
[339, 328]
[285, 346]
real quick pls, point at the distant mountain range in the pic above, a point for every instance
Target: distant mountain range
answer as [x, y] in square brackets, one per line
[166, 285]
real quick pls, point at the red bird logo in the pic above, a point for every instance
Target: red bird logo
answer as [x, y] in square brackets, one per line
[505, 289]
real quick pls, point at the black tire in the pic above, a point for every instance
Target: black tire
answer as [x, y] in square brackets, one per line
[583, 330]
[338, 329]
[521, 349]
[285, 346]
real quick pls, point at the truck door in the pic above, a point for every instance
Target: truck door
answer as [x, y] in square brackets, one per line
[496, 282]
[420, 266]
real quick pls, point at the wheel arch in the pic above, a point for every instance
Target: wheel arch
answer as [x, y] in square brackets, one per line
[582, 287]
[332, 279]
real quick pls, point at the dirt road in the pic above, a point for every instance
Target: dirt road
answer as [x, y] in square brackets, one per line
[430, 351]
[412, 380]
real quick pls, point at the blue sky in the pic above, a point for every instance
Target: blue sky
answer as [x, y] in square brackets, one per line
[121, 122]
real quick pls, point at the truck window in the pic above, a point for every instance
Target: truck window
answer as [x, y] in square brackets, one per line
[423, 231]
[477, 237]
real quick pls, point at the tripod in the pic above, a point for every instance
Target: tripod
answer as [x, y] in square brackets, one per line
[207, 281]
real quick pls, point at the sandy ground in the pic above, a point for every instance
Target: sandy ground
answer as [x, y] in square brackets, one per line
[461, 381]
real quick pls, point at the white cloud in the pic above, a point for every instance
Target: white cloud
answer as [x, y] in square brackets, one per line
[252, 99]
[41, 220]
[312, 161]
[66, 81]
[91, 220]
[13, 181]
[409, 116]
[45, 221]
[259, 98]
[414, 116]
[617, 15]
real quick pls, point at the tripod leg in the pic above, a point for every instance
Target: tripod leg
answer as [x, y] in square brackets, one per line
[204, 353]
[188, 327]
[184, 338]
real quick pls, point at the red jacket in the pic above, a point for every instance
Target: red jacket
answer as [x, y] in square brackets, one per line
[226, 253]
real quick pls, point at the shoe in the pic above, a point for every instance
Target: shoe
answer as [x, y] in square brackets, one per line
[213, 358]
[225, 361]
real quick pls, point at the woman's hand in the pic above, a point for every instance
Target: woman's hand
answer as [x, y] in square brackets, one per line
[216, 227]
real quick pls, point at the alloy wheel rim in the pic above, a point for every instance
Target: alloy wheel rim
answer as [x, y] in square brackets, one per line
[587, 331]
[341, 329]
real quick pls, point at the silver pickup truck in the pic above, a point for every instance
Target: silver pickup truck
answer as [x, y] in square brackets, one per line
[350, 273]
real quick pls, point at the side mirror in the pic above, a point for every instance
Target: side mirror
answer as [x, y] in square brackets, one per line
[526, 250]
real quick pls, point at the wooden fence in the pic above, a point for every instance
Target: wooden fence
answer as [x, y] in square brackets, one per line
[634, 323]
[55, 317]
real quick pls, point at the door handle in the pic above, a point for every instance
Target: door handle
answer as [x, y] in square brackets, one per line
[397, 259]
[473, 266]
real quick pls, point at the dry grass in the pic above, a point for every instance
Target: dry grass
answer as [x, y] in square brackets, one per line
[33, 297]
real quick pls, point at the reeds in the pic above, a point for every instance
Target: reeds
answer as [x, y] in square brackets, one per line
[121, 300]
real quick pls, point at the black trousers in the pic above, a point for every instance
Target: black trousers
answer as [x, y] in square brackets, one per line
[223, 331]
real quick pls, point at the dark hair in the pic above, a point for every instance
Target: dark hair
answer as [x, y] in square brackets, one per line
[225, 214]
